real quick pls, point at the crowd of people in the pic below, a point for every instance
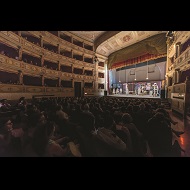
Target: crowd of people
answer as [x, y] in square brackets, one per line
[87, 127]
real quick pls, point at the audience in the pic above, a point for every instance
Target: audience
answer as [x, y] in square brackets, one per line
[87, 127]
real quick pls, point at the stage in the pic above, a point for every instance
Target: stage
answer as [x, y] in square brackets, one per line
[133, 96]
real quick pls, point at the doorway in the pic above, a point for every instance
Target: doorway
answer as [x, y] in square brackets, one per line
[77, 86]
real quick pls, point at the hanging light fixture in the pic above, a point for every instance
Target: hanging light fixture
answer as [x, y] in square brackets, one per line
[119, 76]
[135, 72]
[147, 71]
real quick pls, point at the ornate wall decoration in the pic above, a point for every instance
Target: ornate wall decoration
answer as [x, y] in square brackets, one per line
[126, 38]
[115, 44]
[108, 47]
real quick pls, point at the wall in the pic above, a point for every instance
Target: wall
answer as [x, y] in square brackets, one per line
[14, 92]
[128, 75]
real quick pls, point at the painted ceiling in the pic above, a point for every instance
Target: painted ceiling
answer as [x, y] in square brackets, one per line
[88, 35]
[108, 42]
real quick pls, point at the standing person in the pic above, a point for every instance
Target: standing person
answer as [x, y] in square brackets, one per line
[136, 89]
[111, 88]
[139, 89]
[127, 90]
[116, 90]
[119, 89]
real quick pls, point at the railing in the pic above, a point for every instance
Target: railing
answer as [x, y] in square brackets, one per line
[14, 92]
[15, 65]
[182, 59]
[34, 48]
[177, 36]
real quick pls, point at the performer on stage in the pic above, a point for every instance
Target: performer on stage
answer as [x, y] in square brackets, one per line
[116, 90]
[127, 90]
[136, 89]
[155, 89]
[139, 89]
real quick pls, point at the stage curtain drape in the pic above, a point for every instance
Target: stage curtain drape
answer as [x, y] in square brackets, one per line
[148, 49]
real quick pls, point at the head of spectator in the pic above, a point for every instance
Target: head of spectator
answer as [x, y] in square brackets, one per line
[126, 118]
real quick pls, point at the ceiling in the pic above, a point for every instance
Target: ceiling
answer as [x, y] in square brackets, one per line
[125, 46]
[107, 42]
[88, 35]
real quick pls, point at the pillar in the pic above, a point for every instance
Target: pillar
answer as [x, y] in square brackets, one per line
[41, 41]
[72, 68]
[42, 60]
[20, 54]
[20, 75]
[177, 76]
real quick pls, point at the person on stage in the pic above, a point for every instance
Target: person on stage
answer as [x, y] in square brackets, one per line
[127, 90]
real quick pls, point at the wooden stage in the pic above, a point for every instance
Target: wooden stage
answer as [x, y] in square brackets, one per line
[133, 96]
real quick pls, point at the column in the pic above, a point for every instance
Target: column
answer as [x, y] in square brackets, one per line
[177, 76]
[42, 61]
[72, 68]
[96, 78]
[106, 79]
[20, 54]
[168, 61]
[41, 41]
[20, 75]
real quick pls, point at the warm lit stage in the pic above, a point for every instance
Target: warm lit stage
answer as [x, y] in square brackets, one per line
[133, 96]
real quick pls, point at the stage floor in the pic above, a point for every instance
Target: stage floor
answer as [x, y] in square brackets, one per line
[133, 96]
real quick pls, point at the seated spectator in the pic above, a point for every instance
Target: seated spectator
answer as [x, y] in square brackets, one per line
[169, 120]
[4, 105]
[138, 140]
[159, 136]
[43, 145]
[98, 143]
[10, 142]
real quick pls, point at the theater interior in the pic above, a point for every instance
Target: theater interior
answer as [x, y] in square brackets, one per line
[94, 93]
